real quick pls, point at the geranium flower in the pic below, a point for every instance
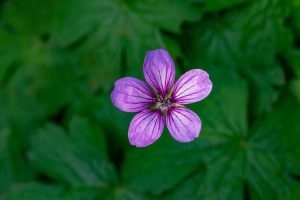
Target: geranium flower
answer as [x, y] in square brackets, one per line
[160, 101]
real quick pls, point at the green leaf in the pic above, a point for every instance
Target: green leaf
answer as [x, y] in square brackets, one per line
[36, 77]
[247, 45]
[25, 33]
[140, 14]
[100, 108]
[295, 15]
[107, 116]
[77, 158]
[295, 88]
[117, 34]
[42, 92]
[288, 130]
[122, 193]
[30, 17]
[6, 165]
[13, 166]
[109, 37]
[217, 5]
[228, 159]
[293, 61]
[150, 173]
[8, 53]
[39, 191]
[34, 190]
[31, 63]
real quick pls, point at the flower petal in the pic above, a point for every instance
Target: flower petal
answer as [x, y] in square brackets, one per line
[191, 87]
[183, 124]
[131, 95]
[159, 70]
[145, 128]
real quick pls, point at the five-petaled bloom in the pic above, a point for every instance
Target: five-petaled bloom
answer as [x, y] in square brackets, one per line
[161, 101]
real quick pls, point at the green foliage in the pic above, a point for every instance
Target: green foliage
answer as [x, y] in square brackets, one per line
[77, 159]
[61, 137]
[118, 32]
[219, 5]
[241, 44]
[229, 156]
[44, 192]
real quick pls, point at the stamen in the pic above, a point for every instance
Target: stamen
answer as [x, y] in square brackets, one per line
[163, 103]
[155, 93]
[170, 92]
[177, 105]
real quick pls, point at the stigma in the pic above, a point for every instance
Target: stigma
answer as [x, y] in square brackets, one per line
[164, 104]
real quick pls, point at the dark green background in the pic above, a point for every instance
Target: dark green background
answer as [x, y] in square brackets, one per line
[61, 137]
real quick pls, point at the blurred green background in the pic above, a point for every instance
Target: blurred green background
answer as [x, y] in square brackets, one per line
[61, 137]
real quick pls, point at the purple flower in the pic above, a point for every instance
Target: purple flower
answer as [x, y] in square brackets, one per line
[161, 101]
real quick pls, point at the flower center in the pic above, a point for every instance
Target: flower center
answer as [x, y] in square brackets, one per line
[164, 103]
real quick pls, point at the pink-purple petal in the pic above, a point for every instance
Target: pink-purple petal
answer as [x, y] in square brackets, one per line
[159, 70]
[131, 95]
[191, 87]
[183, 124]
[145, 128]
